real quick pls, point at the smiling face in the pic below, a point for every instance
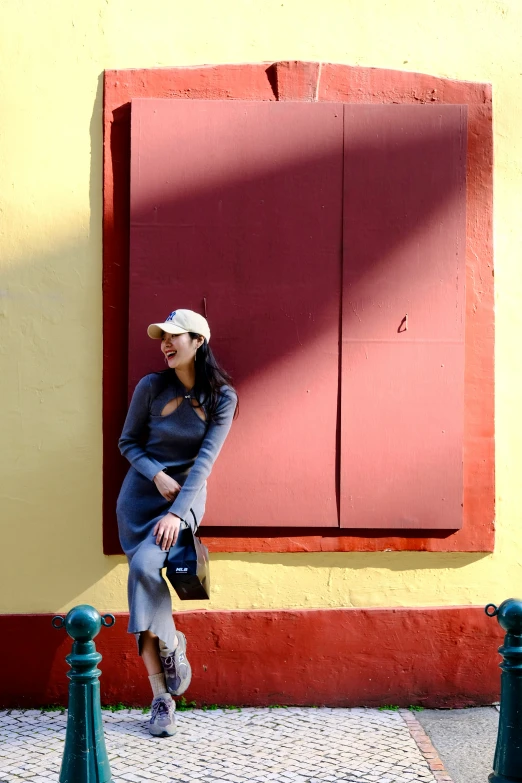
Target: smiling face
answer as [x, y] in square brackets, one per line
[179, 349]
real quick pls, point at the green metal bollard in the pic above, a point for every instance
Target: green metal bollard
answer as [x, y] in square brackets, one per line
[85, 757]
[507, 764]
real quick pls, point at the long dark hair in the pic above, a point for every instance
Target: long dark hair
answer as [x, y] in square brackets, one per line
[210, 377]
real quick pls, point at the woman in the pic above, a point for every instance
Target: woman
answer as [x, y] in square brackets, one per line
[177, 423]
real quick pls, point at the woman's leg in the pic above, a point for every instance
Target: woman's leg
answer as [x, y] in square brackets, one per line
[149, 644]
[152, 622]
[163, 709]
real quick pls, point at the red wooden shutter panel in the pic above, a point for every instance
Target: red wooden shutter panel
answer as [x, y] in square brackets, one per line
[241, 203]
[403, 316]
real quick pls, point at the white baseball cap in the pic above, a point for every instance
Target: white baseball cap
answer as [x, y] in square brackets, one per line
[178, 322]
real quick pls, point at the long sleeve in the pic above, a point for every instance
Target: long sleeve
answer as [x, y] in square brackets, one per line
[208, 452]
[135, 424]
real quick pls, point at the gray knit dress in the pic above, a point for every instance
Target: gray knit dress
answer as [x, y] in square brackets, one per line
[186, 447]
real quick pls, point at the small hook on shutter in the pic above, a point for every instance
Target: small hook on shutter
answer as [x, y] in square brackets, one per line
[403, 326]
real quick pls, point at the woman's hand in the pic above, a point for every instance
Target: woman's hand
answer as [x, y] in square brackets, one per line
[166, 486]
[166, 531]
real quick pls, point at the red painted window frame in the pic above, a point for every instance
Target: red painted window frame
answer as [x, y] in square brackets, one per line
[309, 82]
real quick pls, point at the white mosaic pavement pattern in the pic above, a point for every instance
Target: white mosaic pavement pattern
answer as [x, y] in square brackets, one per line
[287, 745]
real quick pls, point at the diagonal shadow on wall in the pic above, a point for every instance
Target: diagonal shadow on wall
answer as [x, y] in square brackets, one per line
[194, 214]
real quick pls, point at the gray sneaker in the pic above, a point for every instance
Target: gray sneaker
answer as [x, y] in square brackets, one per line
[162, 721]
[178, 673]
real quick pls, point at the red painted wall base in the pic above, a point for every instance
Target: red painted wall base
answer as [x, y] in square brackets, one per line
[440, 657]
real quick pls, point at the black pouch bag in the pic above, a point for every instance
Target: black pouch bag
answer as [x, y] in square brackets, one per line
[188, 567]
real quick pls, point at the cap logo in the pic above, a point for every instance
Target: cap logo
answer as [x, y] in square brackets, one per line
[171, 317]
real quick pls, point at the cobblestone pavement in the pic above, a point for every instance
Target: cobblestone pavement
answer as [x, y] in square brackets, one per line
[287, 745]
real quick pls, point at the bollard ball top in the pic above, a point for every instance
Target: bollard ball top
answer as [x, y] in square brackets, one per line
[83, 623]
[509, 616]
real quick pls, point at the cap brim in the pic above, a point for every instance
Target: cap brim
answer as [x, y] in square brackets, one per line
[155, 331]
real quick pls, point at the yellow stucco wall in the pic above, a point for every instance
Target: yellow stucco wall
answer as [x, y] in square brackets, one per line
[52, 56]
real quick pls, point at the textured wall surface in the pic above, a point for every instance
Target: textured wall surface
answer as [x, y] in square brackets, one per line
[51, 61]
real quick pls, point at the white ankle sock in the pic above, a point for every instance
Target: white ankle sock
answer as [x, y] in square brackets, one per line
[158, 684]
[164, 650]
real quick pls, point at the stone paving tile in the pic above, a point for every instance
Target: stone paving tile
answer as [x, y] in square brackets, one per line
[254, 745]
